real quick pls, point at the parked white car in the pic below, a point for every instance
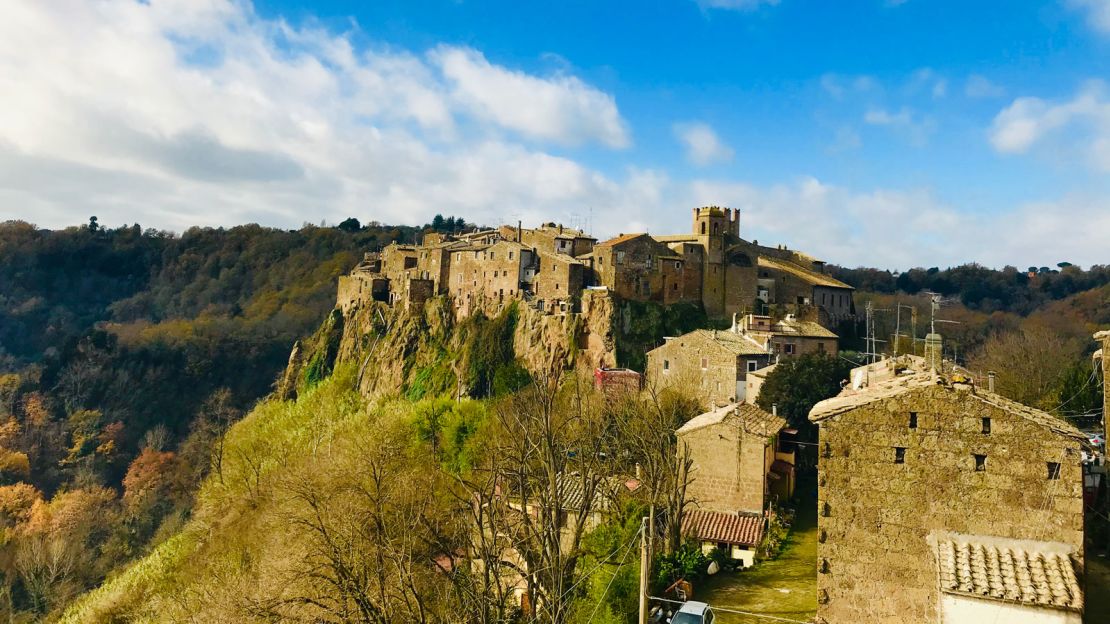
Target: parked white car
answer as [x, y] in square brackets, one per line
[693, 613]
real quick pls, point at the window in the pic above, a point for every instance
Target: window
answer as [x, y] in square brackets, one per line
[820, 347]
[899, 454]
[704, 363]
[674, 286]
[913, 420]
[788, 349]
[703, 227]
[986, 425]
[620, 257]
[1053, 470]
[980, 463]
[677, 265]
[510, 255]
[666, 365]
[753, 365]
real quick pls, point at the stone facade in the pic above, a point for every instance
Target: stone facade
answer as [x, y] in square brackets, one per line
[1103, 354]
[711, 266]
[907, 456]
[788, 337]
[715, 362]
[638, 267]
[733, 449]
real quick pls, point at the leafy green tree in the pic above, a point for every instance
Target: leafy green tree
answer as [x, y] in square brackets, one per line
[349, 224]
[797, 384]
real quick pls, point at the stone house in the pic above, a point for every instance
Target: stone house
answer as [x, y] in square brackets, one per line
[754, 381]
[638, 267]
[788, 281]
[557, 282]
[738, 469]
[715, 362]
[551, 238]
[951, 503]
[788, 337]
[486, 277]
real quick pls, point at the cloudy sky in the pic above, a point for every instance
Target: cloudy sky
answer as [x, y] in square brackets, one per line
[891, 133]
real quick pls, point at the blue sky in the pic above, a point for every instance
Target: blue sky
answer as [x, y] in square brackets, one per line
[880, 133]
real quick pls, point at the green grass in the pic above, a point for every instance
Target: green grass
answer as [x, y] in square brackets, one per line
[785, 587]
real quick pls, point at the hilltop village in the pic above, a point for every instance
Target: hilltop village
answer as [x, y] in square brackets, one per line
[549, 268]
[951, 502]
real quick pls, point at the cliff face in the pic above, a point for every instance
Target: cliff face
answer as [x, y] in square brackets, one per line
[425, 351]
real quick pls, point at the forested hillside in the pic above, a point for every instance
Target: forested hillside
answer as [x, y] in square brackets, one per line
[127, 355]
[124, 355]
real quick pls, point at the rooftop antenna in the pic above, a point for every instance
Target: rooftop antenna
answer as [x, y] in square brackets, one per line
[871, 341]
[898, 325]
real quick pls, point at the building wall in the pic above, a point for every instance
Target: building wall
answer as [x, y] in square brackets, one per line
[836, 302]
[558, 279]
[487, 278]
[965, 610]
[803, 345]
[635, 269]
[728, 472]
[679, 362]
[875, 515]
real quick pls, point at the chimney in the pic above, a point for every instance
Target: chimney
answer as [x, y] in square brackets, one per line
[775, 409]
[734, 322]
[519, 228]
[639, 471]
[990, 381]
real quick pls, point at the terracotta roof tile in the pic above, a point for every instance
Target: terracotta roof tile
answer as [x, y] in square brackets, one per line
[749, 417]
[719, 526]
[1033, 573]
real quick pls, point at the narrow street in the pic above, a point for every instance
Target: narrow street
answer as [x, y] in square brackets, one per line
[785, 587]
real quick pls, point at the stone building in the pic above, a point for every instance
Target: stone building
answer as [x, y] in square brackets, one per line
[638, 267]
[484, 277]
[557, 282]
[942, 502]
[551, 238]
[738, 469]
[788, 281]
[715, 362]
[789, 336]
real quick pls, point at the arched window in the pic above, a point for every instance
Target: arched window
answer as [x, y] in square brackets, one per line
[703, 227]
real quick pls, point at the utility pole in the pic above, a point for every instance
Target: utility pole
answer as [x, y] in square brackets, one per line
[645, 569]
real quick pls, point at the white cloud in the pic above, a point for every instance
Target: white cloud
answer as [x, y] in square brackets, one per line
[981, 87]
[1082, 121]
[908, 228]
[1098, 13]
[178, 113]
[915, 128]
[703, 146]
[561, 109]
[735, 5]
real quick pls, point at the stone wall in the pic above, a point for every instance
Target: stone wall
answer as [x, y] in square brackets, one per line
[728, 472]
[680, 361]
[559, 278]
[875, 515]
[636, 269]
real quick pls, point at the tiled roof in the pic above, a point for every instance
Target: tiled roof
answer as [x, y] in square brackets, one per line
[623, 238]
[1032, 573]
[750, 418]
[738, 344]
[608, 490]
[808, 329]
[720, 526]
[809, 275]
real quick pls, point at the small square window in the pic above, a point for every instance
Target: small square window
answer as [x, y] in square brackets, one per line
[704, 363]
[666, 365]
[980, 463]
[788, 349]
[1053, 470]
[753, 365]
[913, 420]
[899, 454]
[986, 425]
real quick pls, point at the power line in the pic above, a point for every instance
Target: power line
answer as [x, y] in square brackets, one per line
[614, 577]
